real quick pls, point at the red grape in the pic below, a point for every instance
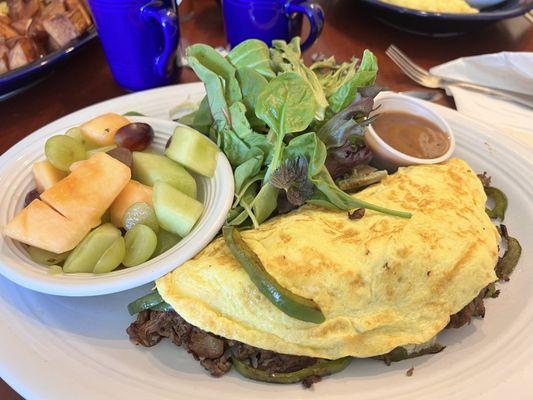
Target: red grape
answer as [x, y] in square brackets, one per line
[123, 155]
[136, 136]
[30, 196]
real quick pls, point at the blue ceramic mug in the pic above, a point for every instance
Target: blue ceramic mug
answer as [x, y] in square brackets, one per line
[268, 20]
[140, 40]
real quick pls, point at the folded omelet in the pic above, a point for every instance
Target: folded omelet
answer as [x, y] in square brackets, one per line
[380, 281]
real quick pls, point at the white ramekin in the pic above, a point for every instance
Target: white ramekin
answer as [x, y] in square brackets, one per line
[385, 156]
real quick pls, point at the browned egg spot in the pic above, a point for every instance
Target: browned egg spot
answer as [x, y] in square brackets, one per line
[411, 134]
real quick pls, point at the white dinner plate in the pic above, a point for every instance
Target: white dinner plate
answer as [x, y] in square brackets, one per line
[76, 348]
[16, 179]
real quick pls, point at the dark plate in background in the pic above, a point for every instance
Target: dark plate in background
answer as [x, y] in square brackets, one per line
[16, 81]
[444, 24]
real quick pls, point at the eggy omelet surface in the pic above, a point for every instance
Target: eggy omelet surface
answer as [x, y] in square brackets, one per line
[380, 281]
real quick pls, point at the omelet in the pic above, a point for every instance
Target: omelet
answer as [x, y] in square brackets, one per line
[439, 6]
[380, 281]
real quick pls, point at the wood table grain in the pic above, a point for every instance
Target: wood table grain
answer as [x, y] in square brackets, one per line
[85, 79]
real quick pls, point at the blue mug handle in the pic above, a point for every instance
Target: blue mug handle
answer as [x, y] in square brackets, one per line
[156, 11]
[314, 14]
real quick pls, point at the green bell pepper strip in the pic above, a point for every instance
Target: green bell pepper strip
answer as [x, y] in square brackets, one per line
[500, 203]
[150, 300]
[163, 306]
[320, 368]
[290, 303]
[508, 262]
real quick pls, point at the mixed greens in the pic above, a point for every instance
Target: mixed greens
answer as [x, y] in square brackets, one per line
[288, 130]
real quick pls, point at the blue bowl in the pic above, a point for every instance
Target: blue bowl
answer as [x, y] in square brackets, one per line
[16, 81]
[444, 24]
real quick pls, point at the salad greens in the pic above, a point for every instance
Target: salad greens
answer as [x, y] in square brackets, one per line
[287, 129]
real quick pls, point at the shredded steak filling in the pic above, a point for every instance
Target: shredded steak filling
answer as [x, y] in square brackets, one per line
[214, 352]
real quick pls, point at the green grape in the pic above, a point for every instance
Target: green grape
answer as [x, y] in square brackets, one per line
[140, 213]
[165, 241]
[91, 249]
[140, 245]
[63, 150]
[45, 257]
[75, 133]
[112, 257]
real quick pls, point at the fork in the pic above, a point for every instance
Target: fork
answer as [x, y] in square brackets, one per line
[424, 78]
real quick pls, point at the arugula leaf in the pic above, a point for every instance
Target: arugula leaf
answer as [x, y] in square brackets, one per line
[287, 57]
[253, 54]
[365, 76]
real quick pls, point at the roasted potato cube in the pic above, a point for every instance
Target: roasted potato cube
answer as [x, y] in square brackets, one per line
[24, 52]
[54, 7]
[21, 26]
[7, 31]
[23, 9]
[66, 27]
[4, 63]
[82, 7]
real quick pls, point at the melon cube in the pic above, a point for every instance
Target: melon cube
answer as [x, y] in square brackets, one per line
[193, 150]
[134, 192]
[150, 168]
[176, 212]
[46, 175]
[101, 130]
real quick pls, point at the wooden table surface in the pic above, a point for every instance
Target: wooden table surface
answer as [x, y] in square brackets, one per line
[85, 79]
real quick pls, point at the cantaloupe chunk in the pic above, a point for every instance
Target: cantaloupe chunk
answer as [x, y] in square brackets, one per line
[39, 225]
[134, 192]
[89, 190]
[46, 175]
[101, 130]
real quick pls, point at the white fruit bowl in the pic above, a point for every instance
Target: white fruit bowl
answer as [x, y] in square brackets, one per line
[16, 179]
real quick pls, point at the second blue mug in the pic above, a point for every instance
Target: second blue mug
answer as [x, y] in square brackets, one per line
[140, 39]
[269, 20]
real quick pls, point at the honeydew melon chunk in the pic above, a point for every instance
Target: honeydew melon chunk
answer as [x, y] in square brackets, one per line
[151, 168]
[176, 212]
[193, 150]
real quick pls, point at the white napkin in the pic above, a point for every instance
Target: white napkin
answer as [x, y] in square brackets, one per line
[506, 70]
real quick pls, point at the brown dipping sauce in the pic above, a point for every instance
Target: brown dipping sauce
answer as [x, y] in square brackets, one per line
[411, 134]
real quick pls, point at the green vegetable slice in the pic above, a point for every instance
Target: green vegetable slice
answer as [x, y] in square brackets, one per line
[164, 307]
[500, 203]
[508, 262]
[150, 300]
[290, 303]
[321, 368]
